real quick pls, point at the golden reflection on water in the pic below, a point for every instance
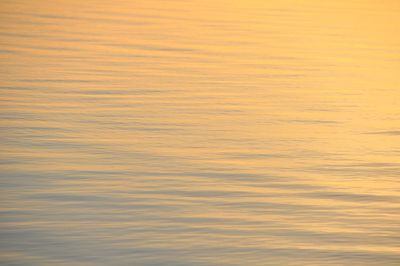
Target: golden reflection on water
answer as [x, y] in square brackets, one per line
[200, 132]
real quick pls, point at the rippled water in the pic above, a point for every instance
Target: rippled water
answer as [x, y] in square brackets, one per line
[200, 132]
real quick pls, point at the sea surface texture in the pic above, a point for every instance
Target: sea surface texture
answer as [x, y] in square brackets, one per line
[200, 132]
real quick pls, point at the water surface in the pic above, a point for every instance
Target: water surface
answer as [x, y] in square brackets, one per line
[200, 132]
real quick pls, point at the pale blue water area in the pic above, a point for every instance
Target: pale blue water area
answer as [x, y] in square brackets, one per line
[200, 133]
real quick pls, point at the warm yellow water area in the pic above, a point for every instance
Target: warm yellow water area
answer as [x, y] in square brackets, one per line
[200, 132]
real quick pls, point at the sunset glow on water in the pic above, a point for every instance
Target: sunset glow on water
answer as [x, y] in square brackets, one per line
[200, 133]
